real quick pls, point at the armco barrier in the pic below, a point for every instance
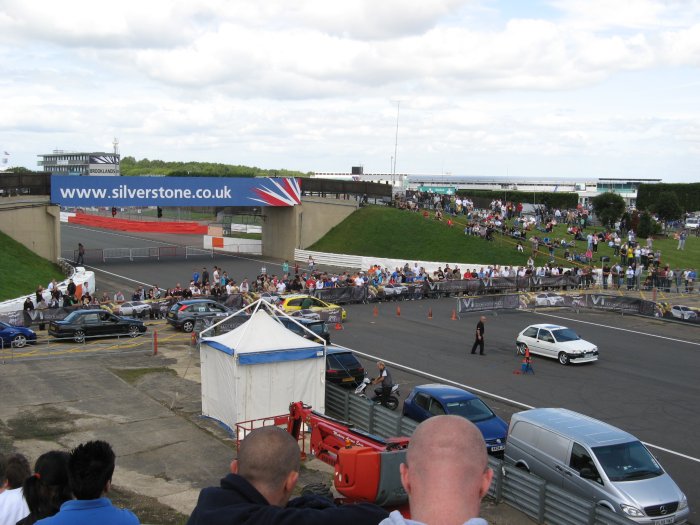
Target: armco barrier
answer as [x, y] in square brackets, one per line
[112, 223]
[542, 501]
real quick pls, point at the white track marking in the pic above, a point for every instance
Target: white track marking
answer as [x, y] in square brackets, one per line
[145, 239]
[489, 394]
[617, 328]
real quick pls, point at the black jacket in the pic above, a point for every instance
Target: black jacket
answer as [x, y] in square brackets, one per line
[238, 502]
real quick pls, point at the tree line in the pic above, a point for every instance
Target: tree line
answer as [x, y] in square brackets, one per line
[129, 166]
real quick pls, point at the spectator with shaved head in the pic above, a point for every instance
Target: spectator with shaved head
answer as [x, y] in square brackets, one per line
[446, 474]
[259, 487]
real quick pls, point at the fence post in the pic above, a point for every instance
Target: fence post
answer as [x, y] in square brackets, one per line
[155, 342]
[541, 503]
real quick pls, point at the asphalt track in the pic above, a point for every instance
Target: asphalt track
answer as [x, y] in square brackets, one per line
[646, 380]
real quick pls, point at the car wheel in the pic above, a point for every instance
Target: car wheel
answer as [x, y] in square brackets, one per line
[78, 336]
[187, 326]
[19, 341]
[134, 331]
[520, 348]
[563, 358]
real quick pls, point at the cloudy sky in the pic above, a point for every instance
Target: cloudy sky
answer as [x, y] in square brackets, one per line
[524, 88]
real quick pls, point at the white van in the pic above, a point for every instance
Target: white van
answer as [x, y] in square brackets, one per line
[692, 223]
[596, 461]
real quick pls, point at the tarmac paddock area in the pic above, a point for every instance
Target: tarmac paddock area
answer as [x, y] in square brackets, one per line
[148, 407]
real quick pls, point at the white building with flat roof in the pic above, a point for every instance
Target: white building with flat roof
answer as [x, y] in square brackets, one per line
[586, 189]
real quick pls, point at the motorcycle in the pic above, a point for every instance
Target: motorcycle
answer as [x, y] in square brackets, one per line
[392, 401]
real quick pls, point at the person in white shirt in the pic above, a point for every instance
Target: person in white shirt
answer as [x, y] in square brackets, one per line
[14, 469]
[281, 287]
[244, 287]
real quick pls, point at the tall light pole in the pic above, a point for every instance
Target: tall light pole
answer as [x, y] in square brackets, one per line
[396, 145]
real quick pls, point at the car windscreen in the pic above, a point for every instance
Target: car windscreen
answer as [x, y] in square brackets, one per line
[564, 335]
[474, 410]
[627, 462]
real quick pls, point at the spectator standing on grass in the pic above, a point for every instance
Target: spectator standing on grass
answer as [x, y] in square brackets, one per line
[681, 240]
[47, 489]
[446, 474]
[258, 490]
[90, 469]
[14, 469]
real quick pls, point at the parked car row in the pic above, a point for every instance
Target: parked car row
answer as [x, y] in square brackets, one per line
[184, 315]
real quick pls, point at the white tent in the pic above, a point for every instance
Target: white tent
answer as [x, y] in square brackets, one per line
[258, 369]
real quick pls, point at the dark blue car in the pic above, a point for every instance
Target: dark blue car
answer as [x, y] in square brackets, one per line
[15, 336]
[426, 401]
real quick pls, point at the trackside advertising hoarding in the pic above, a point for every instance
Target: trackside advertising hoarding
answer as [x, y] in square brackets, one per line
[173, 191]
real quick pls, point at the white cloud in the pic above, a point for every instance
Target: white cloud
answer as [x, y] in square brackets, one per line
[314, 84]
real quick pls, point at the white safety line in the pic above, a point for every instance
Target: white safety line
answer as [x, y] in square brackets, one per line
[489, 394]
[145, 239]
[618, 328]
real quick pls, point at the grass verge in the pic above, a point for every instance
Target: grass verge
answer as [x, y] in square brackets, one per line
[22, 270]
[388, 232]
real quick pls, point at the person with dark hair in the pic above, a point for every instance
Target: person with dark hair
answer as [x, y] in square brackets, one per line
[90, 469]
[258, 489]
[14, 469]
[479, 336]
[47, 489]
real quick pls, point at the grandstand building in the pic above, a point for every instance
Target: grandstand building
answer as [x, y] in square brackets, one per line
[62, 162]
[586, 189]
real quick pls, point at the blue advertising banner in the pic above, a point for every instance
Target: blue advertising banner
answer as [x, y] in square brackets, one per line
[173, 191]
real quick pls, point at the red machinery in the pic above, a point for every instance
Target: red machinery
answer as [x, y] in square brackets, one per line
[366, 466]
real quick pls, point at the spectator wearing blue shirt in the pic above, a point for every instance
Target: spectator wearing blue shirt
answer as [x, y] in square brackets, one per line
[90, 469]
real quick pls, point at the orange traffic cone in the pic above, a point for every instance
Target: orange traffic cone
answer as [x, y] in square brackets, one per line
[375, 312]
[339, 326]
[454, 315]
[398, 311]
[430, 313]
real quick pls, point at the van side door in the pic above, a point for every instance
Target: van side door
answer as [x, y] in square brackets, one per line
[582, 477]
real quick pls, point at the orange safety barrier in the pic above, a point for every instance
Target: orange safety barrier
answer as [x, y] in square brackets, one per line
[126, 225]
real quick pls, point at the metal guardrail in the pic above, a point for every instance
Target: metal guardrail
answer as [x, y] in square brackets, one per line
[54, 347]
[156, 252]
[530, 494]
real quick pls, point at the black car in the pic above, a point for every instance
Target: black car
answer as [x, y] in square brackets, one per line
[82, 324]
[343, 368]
[184, 314]
[320, 328]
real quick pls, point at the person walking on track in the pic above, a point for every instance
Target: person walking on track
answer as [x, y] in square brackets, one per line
[479, 336]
